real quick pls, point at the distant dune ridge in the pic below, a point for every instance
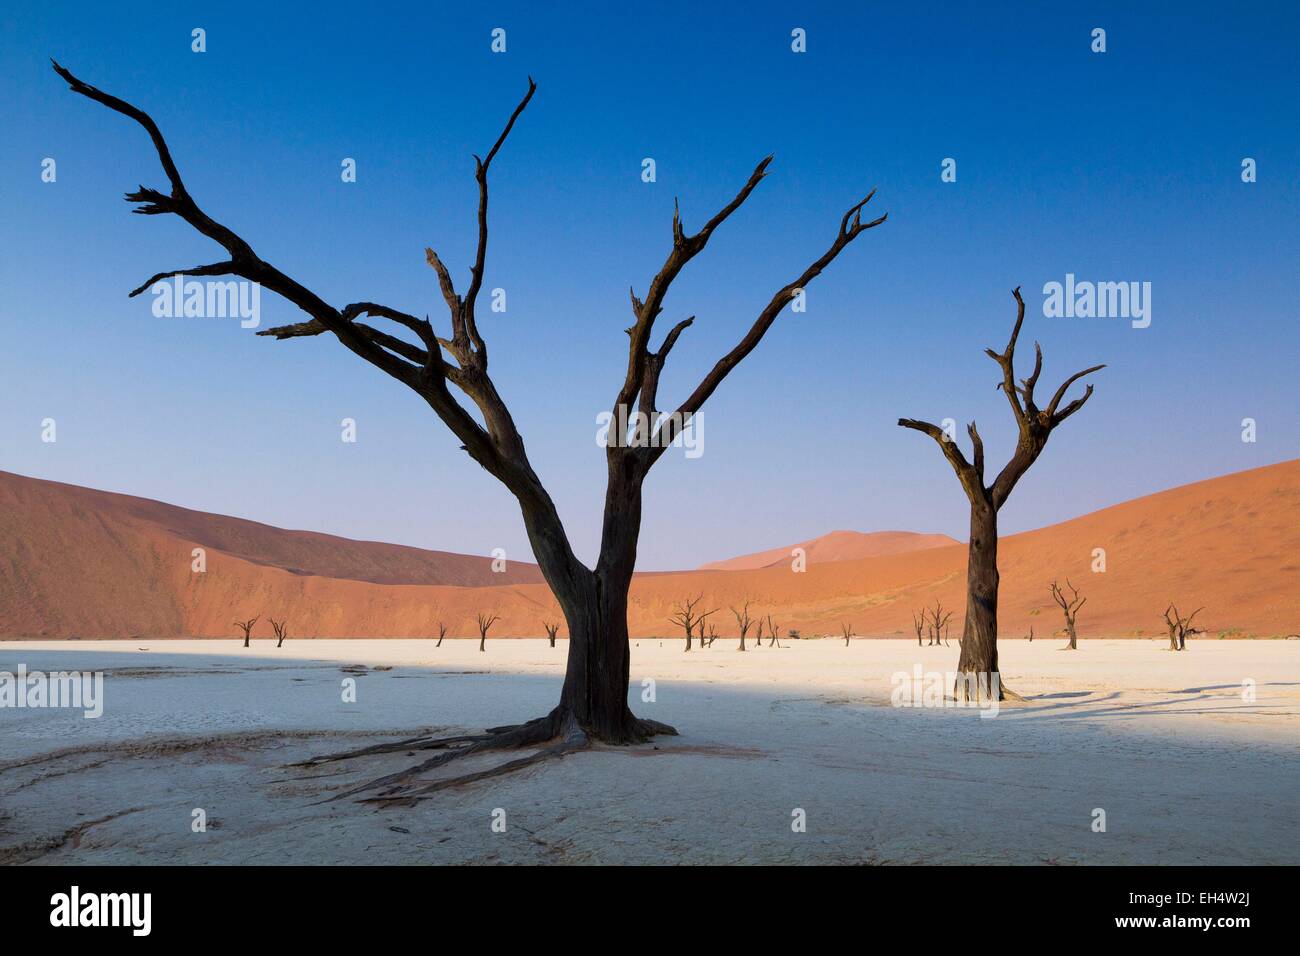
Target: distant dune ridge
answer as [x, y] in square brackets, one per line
[836, 546]
[81, 563]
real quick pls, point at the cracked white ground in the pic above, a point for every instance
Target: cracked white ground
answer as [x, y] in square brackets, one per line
[1185, 767]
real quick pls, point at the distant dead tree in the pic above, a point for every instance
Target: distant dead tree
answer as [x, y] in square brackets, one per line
[485, 621]
[940, 621]
[281, 629]
[1070, 605]
[442, 632]
[713, 635]
[847, 631]
[246, 627]
[551, 630]
[1180, 628]
[918, 625]
[744, 622]
[685, 616]
[774, 633]
[979, 646]
[758, 633]
[1031, 633]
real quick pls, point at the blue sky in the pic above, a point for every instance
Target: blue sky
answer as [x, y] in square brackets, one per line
[1122, 166]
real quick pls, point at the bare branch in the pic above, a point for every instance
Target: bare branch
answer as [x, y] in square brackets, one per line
[684, 249]
[215, 269]
[851, 226]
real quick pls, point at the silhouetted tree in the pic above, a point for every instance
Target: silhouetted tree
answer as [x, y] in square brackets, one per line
[940, 622]
[442, 632]
[743, 621]
[918, 625]
[847, 631]
[594, 697]
[774, 633]
[485, 621]
[551, 630]
[979, 645]
[685, 616]
[1180, 628]
[246, 627]
[281, 629]
[1070, 608]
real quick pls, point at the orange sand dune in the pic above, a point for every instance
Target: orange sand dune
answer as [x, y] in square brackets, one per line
[836, 546]
[75, 562]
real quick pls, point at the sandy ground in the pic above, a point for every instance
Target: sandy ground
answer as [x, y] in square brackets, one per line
[1186, 770]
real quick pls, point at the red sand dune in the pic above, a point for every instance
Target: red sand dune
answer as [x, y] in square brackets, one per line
[82, 563]
[836, 546]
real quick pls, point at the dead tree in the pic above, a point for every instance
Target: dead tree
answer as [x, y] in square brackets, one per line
[281, 629]
[774, 633]
[485, 621]
[593, 701]
[713, 635]
[1180, 628]
[758, 633]
[744, 622]
[551, 630]
[918, 625]
[979, 645]
[1031, 633]
[939, 621]
[685, 616]
[1070, 608]
[442, 632]
[246, 627]
[847, 631]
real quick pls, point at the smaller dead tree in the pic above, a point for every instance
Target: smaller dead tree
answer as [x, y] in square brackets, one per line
[442, 632]
[685, 616]
[246, 627]
[713, 636]
[1031, 633]
[939, 622]
[758, 633]
[1070, 605]
[551, 630]
[847, 631]
[774, 633]
[918, 625]
[744, 622]
[281, 629]
[1180, 628]
[485, 621]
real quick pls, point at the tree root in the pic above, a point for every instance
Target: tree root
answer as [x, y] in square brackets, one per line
[556, 734]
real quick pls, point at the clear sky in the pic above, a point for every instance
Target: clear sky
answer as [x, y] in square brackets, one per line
[1115, 166]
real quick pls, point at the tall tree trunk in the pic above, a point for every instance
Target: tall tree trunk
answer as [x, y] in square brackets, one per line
[979, 644]
[1074, 638]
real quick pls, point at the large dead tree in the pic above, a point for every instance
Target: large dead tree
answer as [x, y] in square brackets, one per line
[978, 663]
[281, 629]
[1180, 628]
[1070, 605]
[744, 622]
[593, 698]
[246, 627]
[485, 622]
